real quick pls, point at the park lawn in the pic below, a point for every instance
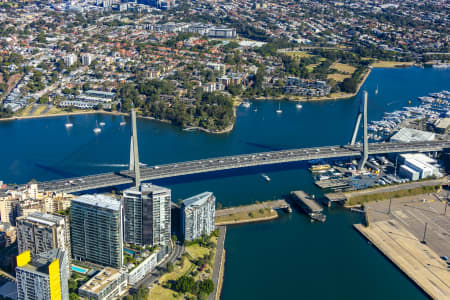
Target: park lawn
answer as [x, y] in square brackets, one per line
[26, 111]
[392, 64]
[338, 77]
[55, 110]
[344, 68]
[244, 216]
[40, 109]
[297, 54]
[196, 251]
[311, 67]
[160, 292]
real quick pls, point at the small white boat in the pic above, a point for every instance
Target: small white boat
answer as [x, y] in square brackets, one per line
[97, 129]
[123, 123]
[376, 90]
[102, 124]
[246, 104]
[279, 111]
[68, 123]
[267, 178]
[299, 106]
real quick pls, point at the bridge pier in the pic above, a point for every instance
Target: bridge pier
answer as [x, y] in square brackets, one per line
[133, 166]
[365, 152]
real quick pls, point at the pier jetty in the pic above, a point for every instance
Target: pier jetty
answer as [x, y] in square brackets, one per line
[309, 205]
[257, 212]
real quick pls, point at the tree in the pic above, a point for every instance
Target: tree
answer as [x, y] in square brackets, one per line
[185, 284]
[206, 286]
[349, 85]
[170, 267]
[73, 296]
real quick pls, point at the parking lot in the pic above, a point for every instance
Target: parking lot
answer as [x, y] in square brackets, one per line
[416, 211]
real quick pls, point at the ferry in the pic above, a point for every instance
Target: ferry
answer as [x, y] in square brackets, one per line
[317, 168]
[267, 178]
[246, 104]
[97, 129]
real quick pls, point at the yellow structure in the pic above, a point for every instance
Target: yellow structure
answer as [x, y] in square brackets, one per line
[55, 280]
[23, 258]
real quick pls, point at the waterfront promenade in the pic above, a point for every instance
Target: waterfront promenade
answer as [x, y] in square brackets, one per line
[219, 264]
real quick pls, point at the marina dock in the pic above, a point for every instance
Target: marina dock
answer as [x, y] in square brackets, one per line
[332, 184]
[309, 205]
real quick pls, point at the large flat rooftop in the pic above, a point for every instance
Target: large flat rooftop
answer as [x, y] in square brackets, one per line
[99, 200]
[104, 278]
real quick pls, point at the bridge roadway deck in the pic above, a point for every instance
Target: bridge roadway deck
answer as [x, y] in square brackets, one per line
[78, 184]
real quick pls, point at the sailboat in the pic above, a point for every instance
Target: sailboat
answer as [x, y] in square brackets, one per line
[376, 90]
[123, 123]
[97, 129]
[68, 123]
[267, 178]
[279, 111]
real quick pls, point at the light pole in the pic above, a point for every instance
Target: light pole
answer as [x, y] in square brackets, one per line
[424, 234]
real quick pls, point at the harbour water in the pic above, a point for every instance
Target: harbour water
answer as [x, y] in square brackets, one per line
[288, 258]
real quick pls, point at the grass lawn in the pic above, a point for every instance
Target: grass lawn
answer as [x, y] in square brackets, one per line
[26, 111]
[338, 77]
[244, 216]
[297, 54]
[196, 251]
[344, 68]
[55, 110]
[159, 292]
[40, 109]
[391, 64]
[311, 67]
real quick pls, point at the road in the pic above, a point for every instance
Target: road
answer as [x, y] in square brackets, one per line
[233, 162]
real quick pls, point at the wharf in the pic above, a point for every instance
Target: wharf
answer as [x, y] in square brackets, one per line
[308, 205]
[417, 260]
[384, 192]
[331, 183]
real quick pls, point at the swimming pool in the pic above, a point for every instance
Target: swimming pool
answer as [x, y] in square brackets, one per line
[128, 251]
[79, 269]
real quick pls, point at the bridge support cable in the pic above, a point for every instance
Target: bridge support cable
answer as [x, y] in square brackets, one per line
[134, 152]
[365, 152]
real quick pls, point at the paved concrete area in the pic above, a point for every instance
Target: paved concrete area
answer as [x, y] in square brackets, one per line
[413, 212]
[218, 264]
[417, 260]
